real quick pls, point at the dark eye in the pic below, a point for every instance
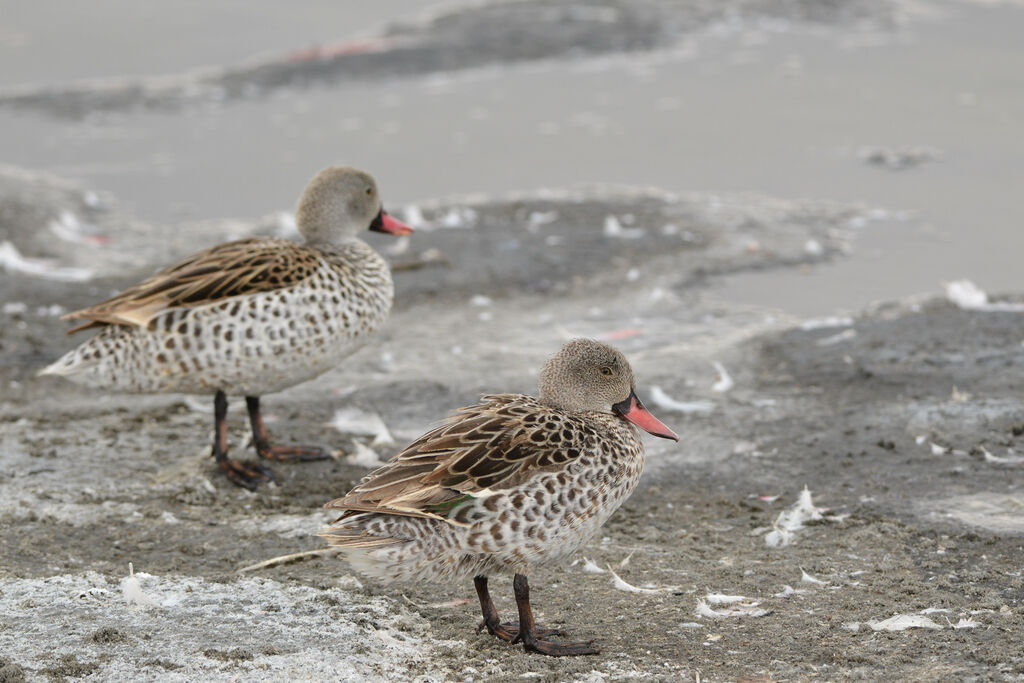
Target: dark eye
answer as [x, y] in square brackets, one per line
[606, 371]
[369, 191]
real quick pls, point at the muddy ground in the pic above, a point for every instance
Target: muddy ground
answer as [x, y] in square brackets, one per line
[904, 423]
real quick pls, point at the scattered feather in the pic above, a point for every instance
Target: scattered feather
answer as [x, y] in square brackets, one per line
[12, 261]
[749, 609]
[68, 228]
[838, 337]
[830, 321]
[722, 599]
[792, 520]
[807, 578]
[1008, 460]
[662, 400]
[965, 622]
[363, 423]
[168, 517]
[288, 559]
[590, 567]
[619, 584]
[724, 382]
[625, 561]
[901, 622]
[690, 624]
[919, 440]
[132, 591]
[364, 456]
[788, 590]
[937, 449]
[613, 228]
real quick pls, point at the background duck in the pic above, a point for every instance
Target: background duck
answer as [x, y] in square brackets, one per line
[249, 317]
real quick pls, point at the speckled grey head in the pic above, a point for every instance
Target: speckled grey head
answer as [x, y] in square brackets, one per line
[338, 203]
[586, 375]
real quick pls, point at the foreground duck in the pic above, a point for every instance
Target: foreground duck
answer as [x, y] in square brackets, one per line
[250, 317]
[506, 485]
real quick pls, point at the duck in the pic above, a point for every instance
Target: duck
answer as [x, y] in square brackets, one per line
[250, 317]
[504, 486]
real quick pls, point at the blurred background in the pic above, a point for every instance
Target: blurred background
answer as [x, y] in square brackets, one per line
[197, 110]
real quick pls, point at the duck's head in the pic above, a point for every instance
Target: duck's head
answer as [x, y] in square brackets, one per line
[341, 202]
[586, 375]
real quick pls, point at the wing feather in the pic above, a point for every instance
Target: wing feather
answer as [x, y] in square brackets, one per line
[227, 270]
[478, 448]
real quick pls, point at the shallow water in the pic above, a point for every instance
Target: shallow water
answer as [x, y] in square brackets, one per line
[779, 110]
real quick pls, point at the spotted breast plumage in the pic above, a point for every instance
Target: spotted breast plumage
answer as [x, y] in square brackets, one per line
[505, 485]
[249, 317]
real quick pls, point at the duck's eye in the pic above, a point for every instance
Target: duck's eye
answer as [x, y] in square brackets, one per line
[606, 371]
[369, 191]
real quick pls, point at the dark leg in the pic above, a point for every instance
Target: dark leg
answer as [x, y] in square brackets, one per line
[245, 474]
[529, 633]
[509, 631]
[491, 621]
[262, 441]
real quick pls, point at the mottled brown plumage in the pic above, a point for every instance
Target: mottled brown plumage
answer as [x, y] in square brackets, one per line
[505, 485]
[249, 317]
[227, 270]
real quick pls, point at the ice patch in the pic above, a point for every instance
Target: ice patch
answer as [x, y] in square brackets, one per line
[970, 296]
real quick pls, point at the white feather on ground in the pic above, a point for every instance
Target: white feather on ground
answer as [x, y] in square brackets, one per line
[792, 520]
[744, 609]
[807, 578]
[590, 567]
[364, 456]
[362, 423]
[619, 584]
[901, 622]
[830, 321]
[723, 599]
[12, 260]
[662, 400]
[725, 382]
[132, 591]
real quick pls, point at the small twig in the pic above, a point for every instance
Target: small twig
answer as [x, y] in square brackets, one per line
[285, 559]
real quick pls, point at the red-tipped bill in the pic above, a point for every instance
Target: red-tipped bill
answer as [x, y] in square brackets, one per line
[385, 223]
[633, 410]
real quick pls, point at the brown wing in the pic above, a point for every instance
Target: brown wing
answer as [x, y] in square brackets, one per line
[242, 267]
[478, 448]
